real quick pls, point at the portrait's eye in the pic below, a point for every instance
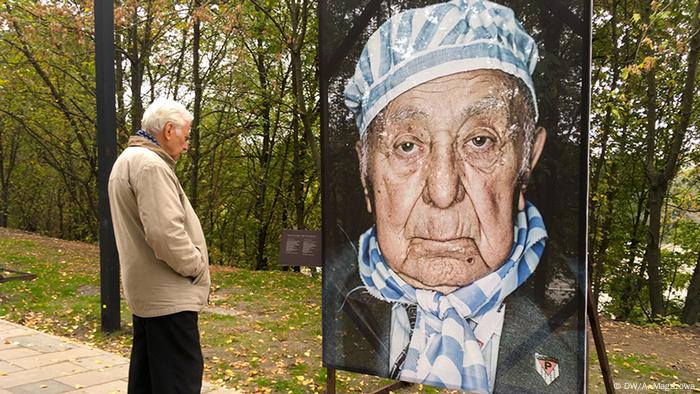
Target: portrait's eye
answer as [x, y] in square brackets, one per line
[480, 140]
[407, 147]
[479, 146]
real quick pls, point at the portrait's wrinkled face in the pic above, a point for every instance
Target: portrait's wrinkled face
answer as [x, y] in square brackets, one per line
[444, 161]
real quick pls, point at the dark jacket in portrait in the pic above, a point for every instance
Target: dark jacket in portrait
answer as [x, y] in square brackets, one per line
[359, 336]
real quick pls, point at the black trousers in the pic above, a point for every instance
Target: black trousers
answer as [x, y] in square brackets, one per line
[166, 356]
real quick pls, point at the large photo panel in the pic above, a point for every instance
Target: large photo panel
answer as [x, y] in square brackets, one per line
[454, 191]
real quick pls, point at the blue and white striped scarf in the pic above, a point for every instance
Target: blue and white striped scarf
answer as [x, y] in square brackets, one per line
[443, 350]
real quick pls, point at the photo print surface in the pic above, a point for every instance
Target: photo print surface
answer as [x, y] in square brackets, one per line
[454, 192]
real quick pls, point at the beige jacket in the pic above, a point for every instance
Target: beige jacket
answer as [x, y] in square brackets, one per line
[162, 251]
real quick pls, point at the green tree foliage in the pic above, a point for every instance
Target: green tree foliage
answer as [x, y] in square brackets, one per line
[48, 98]
[643, 238]
[247, 70]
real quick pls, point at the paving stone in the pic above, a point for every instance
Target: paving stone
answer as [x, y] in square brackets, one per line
[43, 387]
[61, 365]
[18, 352]
[7, 367]
[42, 343]
[36, 375]
[10, 332]
[101, 361]
[5, 324]
[118, 386]
[94, 378]
[53, 358]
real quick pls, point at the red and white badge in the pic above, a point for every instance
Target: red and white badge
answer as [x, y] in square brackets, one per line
[547, 367]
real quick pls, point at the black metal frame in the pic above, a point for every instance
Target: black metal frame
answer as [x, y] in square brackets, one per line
[106, 155]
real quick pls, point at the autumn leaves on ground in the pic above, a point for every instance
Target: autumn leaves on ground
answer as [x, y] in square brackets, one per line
[262, 331]
[660, 359]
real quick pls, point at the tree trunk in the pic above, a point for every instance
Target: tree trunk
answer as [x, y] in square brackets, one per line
[599, 259]
[659, 180]
[197, 109]
[3, 182]
[139, 52]
[4, 205]
[61, 219]
[135, 61]
[297, 176]
[633, 284]
[691, 309]
[8, 160]
[652, 254]
[299, 17]
[266, 108]
[122, 132]
[177, 80]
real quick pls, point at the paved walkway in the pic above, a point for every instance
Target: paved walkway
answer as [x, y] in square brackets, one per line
[32, 362]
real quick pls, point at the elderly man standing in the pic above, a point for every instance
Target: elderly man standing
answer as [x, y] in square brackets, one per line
[445, 105]
[162, 253]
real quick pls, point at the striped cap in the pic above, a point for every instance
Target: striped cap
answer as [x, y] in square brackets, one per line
[419, 45]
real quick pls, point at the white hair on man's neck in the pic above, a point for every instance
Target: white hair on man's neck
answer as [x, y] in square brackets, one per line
[162, 111]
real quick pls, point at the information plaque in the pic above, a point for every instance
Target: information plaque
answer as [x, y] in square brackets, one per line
[300, 248]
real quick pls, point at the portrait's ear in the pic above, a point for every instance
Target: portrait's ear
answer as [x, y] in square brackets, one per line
[537, 146]
[363, 176]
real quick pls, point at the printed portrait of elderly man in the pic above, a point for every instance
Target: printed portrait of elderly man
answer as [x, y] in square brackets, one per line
[446, 110]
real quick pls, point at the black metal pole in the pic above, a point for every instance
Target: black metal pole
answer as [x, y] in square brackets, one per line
[600, 345]
[106, 154]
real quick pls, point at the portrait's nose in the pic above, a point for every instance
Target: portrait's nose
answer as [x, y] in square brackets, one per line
[443, 186]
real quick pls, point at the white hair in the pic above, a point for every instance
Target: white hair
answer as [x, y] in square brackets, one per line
[162, 111]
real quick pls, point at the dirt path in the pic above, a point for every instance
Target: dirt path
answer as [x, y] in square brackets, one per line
[677, 347]
[662, 359]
